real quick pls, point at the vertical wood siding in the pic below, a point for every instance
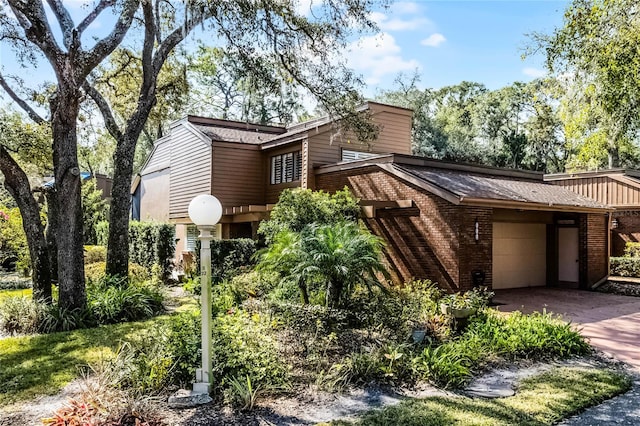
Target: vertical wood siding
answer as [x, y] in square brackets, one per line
[190, 170]
[603, 189]
[238, 175]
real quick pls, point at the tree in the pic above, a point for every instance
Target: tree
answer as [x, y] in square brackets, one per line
[297, 208]
[597, 47]
[259, 33]
[222, 89]
[339, 256]
[27, 144]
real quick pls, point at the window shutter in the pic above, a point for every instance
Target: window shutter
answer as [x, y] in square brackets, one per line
[356, 155]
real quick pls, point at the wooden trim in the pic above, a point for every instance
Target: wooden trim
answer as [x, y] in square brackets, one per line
[525, 205]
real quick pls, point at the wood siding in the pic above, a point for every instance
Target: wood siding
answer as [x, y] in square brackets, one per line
[394, 137]
[272, 192]
[239, 176]
[190, 170]
[160, 157]
[154, 197]
[613, 192]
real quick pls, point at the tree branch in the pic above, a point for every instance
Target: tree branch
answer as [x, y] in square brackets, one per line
[88, 20]
[21, 102]
[33, 19]
[104, 47]
[103, 106]
[65, 21]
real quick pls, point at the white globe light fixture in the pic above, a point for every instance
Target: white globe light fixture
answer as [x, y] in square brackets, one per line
[205, 212]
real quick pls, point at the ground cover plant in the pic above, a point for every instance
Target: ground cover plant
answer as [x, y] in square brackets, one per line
[540, 400]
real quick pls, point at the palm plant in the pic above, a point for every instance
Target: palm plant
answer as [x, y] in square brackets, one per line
[340, 256]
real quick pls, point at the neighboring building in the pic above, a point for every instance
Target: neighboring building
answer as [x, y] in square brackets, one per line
[618, 188]
[442, 221]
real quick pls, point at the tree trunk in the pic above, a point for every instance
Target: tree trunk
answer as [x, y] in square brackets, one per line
[118, 242]
[50, 232]
[17, 184]
[333, 294]
[64, 108]
[303, 292]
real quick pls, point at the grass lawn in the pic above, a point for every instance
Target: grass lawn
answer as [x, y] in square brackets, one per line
[44, 364]
[27, 292]
[540, 400]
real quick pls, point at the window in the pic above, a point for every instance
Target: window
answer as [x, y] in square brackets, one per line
[356, 155]
[192, 236]
[286, 167]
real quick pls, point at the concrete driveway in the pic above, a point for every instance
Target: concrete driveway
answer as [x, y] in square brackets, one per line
[610, 322]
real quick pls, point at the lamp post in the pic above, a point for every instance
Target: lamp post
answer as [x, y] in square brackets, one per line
[205, 212]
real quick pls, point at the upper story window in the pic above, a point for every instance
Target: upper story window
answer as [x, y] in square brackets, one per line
[356, 155]
[286, 167]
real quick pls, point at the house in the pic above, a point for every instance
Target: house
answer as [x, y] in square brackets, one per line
[618, 188]
[459, 225]
[246, 166]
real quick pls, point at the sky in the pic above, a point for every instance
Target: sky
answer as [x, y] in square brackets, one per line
[446, 41]
[450, 41]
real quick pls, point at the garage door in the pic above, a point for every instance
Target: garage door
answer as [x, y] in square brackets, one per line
[519, 255]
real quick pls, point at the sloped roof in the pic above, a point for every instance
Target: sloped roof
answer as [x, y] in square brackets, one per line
[468, 185]
[235, 135]
[473, 185]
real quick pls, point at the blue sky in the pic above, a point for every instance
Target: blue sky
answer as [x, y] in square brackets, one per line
[448, 41]
[451, 41]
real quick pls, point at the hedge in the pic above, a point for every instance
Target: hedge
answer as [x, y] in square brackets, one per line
[150, 244]
[229, 256]
[625, 266]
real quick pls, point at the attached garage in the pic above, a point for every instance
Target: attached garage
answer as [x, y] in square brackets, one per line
[463, 226]
[519, 255]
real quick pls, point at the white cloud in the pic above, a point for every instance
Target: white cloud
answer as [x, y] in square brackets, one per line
[389, 23]
[378, 56]
[405, 8]
[434, 40]
[534, 72]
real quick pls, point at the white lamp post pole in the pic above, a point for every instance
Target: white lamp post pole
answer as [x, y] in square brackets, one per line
[205, 211]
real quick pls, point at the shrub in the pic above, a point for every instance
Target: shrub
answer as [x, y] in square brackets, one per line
[625, 266]
[632, 249]
[448, 365]
[244, 346]
[299, 207]
[20, 315]
[110, 304]
[13, 282]
[57, 318]
[94, 254]
[95, 273]
[150, 243]
[13, 241]
[229, 257]
[307, 318]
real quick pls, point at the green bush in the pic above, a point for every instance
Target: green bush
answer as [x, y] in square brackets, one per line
[110, 304]
[20, 315]
[243, 345]
[57, 318]
[299, 207]
[150, 244]
[632, 249]
[229, 257]
[307, 318]
[625, 266]
[13, 241]
[9, 281]
[95, 273]
[94, 254]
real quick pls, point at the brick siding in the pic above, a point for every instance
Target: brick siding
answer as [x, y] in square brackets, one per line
[594, 247]
[628, 230]
[437, 242]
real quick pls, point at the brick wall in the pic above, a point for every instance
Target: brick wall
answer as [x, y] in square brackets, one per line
[425, 243]
[596, 247]
[628, 230]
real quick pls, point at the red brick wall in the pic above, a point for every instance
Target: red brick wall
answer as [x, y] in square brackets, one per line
[437, 242]
[628, 230]
[596, 247]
